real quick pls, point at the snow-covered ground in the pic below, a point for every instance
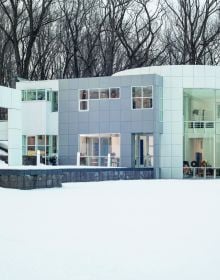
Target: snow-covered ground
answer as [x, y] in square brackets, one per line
[123, 230]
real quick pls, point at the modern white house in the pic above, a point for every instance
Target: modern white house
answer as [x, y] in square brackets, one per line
[10, 125]
[165, 117]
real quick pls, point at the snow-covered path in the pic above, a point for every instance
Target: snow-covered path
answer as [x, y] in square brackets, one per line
[123, 230]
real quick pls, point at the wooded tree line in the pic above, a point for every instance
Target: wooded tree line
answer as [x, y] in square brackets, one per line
[49, 39]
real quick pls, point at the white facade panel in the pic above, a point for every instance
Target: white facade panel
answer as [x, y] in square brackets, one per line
[11, 130]
[48, 84]
[4, 131]
[14, 138]
[14, 119]
[34, 121]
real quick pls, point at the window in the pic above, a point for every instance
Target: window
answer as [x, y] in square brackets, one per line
[31, 94]
[104, 93]
[24, 145]
[94, 149]
[96, 94]
[3, 114]
[54, 101]
[48, 95]
[83, 104]
[46, 144]
[40, 94]
[54, 144]
[142, 97]
[31, 145]
[114, 93]
[23, 95]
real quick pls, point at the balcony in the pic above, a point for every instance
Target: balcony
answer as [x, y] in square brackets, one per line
[195, 128]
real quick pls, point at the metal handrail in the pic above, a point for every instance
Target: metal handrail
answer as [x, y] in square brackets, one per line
[201, 172]
[148, 161]
[99, 161]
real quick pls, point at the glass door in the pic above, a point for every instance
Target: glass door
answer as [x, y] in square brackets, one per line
[142, 150]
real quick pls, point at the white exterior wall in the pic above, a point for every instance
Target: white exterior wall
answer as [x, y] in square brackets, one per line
[37, 118]
[11, 99]
[4, 131]
[177, 77]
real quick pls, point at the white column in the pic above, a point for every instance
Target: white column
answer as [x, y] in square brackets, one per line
[78, 159]
[109, 160]
[38, 157]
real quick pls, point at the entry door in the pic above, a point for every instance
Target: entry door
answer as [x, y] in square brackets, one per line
[140, 149]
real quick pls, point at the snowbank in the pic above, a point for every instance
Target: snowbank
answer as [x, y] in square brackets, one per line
[119, 230]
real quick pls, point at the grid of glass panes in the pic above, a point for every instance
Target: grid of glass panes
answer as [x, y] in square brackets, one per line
[42, 94]
[95, 94]
[94, 149]
[142, 97]
[46, 144]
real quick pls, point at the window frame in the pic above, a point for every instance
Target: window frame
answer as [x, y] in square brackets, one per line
[96, 99]
[86, 100]
[142, 97]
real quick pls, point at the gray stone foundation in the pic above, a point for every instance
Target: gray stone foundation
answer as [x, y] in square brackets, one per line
[49, 178]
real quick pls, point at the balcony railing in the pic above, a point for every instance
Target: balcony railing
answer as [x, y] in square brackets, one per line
[99, 161]
[199, 126]
[201, 172]
[146, 161]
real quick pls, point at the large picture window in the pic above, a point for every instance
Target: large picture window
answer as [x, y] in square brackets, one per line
[142, 97]
[96, 148]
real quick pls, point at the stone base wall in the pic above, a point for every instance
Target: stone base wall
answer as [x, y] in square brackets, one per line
[49, 178]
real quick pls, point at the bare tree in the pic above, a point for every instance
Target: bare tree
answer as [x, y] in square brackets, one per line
[26, 18]
[193, 27]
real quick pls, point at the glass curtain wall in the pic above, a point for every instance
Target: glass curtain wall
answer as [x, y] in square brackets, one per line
[94, 149]
[201, 128]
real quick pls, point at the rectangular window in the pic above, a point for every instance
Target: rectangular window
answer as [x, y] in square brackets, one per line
[142, 97]
[94, 94]
[23, 95]
[24, 145]
[31, 94]
[3, 114]
[40, 94]
[104, 93]
[31, 140]
[31, 146]
[54, 103]
[41, 140]
[48, 95]
[114, 92]
[54, 144]
[83, 104]
[36, 94]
